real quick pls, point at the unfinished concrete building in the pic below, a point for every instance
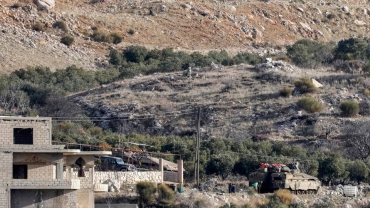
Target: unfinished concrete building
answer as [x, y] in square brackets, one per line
[35, 173]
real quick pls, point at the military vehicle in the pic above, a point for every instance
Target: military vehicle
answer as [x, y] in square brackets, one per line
[271, 177]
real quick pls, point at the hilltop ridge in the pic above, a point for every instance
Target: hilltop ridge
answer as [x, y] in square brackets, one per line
[255, 26]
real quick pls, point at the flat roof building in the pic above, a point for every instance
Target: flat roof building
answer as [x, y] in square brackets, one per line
[35, 173]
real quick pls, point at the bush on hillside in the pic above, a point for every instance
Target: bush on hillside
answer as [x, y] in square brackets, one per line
[349, 108]
[100, 36]
[135, 54]
[146, 191]
[366, 67]
[352, 49]
[67, 40]
[305, 85]
[131, 31]
[165, 194]
[310, 105]
[38, 26]
[116, 38]
[61, 25]
[310, 54]
[285, 196]
[367, 92]
[286, 92]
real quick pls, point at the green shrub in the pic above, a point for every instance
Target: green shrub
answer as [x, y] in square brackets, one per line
[99, 36]
[165, 194]
[246, 206]
[308, 54]
[352, 49]
[274, 202]
[116, 38]
[38, 26]
[310, 105]
[67, 40]
[200, 204]
[349, 108]
[330, 16]
[146, 191]
[366, 67]
[285, 196]
[297, 205]
[131, 31]
[305, 85]
[286, 92]
[323, 205]
[135, 54]
[61, 25]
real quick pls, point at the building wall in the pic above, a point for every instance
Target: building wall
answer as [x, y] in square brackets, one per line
[127, 177]
[85, 198]
[41, 171]
[43, 198]
[6, 175]
[41, 130]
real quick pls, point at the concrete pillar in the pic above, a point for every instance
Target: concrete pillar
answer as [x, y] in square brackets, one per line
[60, 169]
[180, 171]
[161, 167]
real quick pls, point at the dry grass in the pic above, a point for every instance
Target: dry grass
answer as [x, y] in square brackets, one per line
[285, 196]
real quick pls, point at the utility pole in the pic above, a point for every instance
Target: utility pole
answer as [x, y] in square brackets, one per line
[197, 149]
[198, 139]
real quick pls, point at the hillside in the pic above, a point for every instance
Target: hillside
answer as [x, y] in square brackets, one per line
[236, 102]
[259, 26]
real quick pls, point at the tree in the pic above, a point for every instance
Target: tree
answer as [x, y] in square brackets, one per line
[59, 107]
[332, 167]
[246, 164]
[358, 139]
[358, 171]
[307, 53]
[221, 164]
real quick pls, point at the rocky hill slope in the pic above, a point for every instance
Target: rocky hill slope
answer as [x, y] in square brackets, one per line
[235, 102]
[236, 25]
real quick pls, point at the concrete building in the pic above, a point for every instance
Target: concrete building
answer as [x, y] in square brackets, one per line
[35, 173]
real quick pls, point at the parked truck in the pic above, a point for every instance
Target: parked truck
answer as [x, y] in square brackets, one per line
[104, 163]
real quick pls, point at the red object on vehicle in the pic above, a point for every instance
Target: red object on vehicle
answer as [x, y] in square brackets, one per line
[265, 165]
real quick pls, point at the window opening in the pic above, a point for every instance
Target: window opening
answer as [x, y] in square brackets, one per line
[23, 135]
[19, 171]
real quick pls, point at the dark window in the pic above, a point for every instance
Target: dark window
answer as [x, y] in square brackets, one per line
[19, 171]
[23, 136]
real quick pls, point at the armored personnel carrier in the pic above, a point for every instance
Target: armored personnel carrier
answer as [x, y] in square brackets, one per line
[271, 177]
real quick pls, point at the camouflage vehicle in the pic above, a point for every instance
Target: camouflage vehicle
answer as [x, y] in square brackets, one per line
[269, 178]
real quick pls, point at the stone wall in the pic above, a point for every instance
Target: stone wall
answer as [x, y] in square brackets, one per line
[128, 177]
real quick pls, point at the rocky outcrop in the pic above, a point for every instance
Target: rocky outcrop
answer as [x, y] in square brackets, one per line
[45, 4]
